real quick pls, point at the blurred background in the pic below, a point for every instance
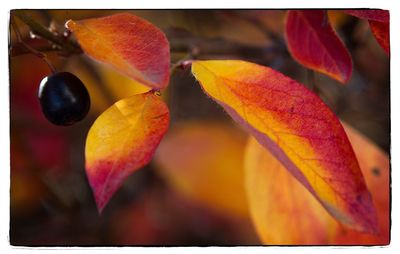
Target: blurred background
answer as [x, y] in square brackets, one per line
[192, 192]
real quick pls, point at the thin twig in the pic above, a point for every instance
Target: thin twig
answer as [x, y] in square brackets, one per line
[43, 32]
[17, 49]
[29, 48]
[206, 47]
[312, 82]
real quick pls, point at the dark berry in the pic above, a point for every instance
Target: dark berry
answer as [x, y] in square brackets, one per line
[63, 98]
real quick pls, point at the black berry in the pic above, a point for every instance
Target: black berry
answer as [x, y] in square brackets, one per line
[64, 98]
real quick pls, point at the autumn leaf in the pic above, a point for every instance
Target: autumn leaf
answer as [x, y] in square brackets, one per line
[298, 129]
[313, 43]
[126, 86]
[203, 162]
[375, 15]
[98, 100]
[131, 45]
[381, 31]
[284, 212]
[122, 140]
[337, 18]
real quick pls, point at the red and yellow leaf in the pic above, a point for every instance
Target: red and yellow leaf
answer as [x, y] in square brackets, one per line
[203, 161]
[313, 43]
[131, 45]
[122, 140]
[381, 31]
[284, 212]
[375, 15]
[298, 129]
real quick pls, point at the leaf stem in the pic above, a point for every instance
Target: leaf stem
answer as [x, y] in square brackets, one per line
[185, 61]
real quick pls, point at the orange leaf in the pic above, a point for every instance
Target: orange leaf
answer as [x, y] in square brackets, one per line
[128, 43]
[298, 128]
[381, 31]
[375, 165]
[313, 43]
[203, 161]
[284, 212]
[375, 15]
[122, 140]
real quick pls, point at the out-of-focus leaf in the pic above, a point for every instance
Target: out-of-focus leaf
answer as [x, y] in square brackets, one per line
[48, 147]
[130, 44]
[25, 81]
[163, 216]
[120, 86]
[375, 166]
[381, 32]
[122, 140]
[98, 97]
[337, 18]
[313, 43]
[204, 162]
[284, 212]
[298, 129]
[26, 191]
[104, 84]
[375, 15]
[140, 224]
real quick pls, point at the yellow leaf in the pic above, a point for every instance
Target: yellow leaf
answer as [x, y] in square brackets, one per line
[204, 162]
[284, 212]
[122, 140]
[298, 129]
